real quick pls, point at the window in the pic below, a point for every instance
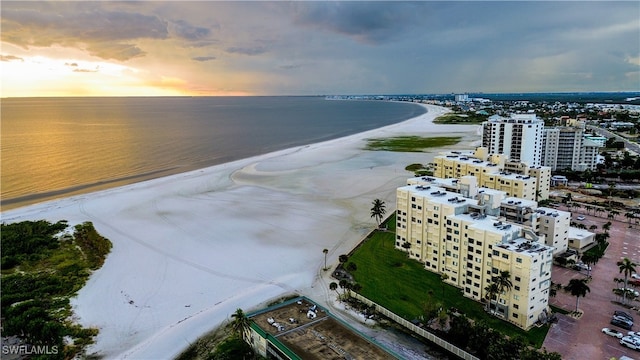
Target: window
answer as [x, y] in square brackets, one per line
[519, 260]
[517, 278]
[505, 256]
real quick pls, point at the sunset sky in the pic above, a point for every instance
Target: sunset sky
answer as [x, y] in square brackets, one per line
[153, 48]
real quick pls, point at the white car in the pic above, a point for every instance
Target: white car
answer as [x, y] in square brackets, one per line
[635, 276]
[631, 291]
[630, 342]
[580, 218]
[614, 332]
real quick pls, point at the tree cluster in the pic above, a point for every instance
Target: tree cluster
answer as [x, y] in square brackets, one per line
[41, 271]
[486, 343]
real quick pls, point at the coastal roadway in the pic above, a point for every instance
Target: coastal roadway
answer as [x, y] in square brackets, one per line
[632, 146]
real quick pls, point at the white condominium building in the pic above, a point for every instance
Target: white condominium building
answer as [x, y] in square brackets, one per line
[567, 148]
[519, 137]
[455, 228]
[516, 178]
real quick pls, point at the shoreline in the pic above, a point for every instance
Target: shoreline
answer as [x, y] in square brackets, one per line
[192, 247]
[58, 189]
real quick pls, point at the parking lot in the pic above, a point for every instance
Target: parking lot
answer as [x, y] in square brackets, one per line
[582, 338]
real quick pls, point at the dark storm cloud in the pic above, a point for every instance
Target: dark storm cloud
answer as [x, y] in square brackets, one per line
[187, 31]
[203, 58]
[251, 51]
[107, 34]
[369, 22]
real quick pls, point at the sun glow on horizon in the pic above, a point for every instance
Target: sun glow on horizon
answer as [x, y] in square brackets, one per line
[33, 76]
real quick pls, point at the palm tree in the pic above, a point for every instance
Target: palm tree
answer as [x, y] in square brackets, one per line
[629, 216]
[325, 252]
[597, 210]
[334, 286]
[588, 208]
[378, 210]
[589, 258]
[568, 198]
[490, 290]
[627, 267]
[614, 213]
[240, 323]
[504, 282]
[578, 288]
[607, 226]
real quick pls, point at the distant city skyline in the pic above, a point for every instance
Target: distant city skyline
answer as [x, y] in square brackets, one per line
[154, 48]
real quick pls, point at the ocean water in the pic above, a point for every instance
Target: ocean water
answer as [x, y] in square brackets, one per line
[56, 147]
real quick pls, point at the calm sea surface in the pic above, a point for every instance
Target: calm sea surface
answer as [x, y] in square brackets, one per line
[55, 147]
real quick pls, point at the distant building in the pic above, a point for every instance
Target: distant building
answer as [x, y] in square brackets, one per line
[494, 171]
[462, 97]
[519, 137]
[567, 148]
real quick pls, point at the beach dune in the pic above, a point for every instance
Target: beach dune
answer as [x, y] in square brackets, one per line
[191, 248]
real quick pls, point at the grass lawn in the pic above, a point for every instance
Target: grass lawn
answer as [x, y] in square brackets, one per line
[410, 143]
[402, 285]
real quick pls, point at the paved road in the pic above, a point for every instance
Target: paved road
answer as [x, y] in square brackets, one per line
[608, 134]
[582, 338]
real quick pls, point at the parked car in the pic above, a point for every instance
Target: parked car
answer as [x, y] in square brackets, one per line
[581, 266]
[631, 291]
[614, 333]
[630, 342]
[621, 322]
[634, 282]
[635, 276]
[623, 319]
[623, 314]
[580, 218]
[634, 334]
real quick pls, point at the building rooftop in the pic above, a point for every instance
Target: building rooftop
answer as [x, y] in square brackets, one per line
[488, 223]
[579, 234]
[545, 211]
[515, 201]
[525, 247]
[311, 332]
[439, 194]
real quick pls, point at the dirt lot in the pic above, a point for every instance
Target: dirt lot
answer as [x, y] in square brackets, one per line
[582, 338]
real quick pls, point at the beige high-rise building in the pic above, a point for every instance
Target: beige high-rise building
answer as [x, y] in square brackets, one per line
[495, 171]
[458, 235]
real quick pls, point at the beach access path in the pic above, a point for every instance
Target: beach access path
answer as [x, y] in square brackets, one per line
[189, 249]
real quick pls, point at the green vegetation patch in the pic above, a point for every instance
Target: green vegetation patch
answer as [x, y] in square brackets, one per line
[455, 118]
[42, 267]
[410, 143]
[379, 268]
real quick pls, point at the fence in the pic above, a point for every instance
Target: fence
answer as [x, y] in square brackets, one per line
[417, 330]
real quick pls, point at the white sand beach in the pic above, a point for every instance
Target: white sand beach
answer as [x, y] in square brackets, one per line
[191, 248]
